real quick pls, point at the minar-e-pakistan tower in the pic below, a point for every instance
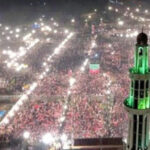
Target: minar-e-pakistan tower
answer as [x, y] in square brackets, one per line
[138, 103]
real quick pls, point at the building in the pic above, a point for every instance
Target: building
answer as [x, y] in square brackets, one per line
[138, 103]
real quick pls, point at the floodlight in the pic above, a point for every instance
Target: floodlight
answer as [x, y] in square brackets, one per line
[26, 134]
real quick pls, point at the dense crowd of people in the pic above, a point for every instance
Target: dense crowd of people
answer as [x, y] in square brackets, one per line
[95, 105]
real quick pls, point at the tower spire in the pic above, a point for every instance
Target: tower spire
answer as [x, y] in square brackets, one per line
[142, 29]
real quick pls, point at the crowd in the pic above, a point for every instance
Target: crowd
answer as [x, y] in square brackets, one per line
[95, 106]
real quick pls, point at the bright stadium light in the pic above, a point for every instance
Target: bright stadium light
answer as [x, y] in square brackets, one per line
[94, 44]
[4, 52]
[48, 39]
[33, 86]
[89, 16]
[47, 69]
[16, 108]
[55, 31]
[104, 74]
[26, 135]
[63, 138]
[6, 120]
[11, 114]
[135, 33]
[95, 10]
[120, 22]
[142, 19]
[7, 28]
[33, 31]
[40, 19]
[73, 20]
[146, 11]
[66, 31]
[72, 81]
[65, 107]
[62, 119]
[127, 35]
[137, 10]
[108, 92]
[82, 69]
[41, 76]
[17, 35]
[20, 102]
[66, 144]
[26, 37]
[69, 92]
[125, 140]
[57, 50]
[55, 23]
[128, 8]
[17, 30]
[116, 10]
[11, 32]
[8, 38]
[109, 8]
[44, 63]
[121, 35]
[3, 33]
[85, 62]
[109, 45]
[58, 145]
[48, 139]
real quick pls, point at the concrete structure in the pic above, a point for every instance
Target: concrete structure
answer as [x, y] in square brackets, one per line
[138, 103]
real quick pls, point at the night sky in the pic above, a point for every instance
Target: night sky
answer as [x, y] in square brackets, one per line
[27, 10]
[6, 4]
[54, 3]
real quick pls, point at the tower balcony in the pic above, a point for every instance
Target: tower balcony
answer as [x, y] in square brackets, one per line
[129, 108]
[135, 72]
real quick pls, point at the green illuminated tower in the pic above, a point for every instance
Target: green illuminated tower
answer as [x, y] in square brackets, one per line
[138, 103]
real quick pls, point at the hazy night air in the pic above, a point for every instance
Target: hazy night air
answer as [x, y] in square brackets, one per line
[74, 74]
